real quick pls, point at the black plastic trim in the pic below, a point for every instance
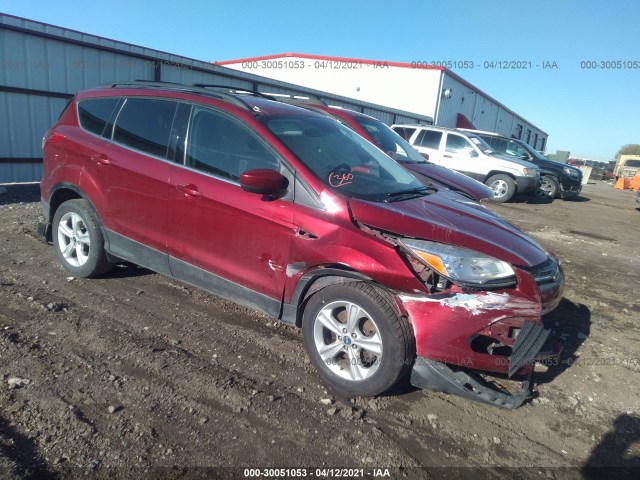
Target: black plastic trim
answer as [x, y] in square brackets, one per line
[432, 375]
[224, 288]
[529, 342]
[126, 249]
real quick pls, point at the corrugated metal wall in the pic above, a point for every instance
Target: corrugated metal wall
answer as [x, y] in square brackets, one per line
[43, 65]
[461, 101]
[484, 113]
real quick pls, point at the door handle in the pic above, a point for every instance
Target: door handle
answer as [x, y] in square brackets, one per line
[447, 156]
[101, 158]
[189, 189]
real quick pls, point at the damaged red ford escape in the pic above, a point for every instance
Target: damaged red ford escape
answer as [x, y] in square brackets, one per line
[286, 210]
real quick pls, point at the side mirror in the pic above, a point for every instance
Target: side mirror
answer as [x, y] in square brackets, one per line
[473, 154]
[524, 156]
[425, 155]
[264, 181]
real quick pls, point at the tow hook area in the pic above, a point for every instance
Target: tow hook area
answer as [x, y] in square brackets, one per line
[432, 375]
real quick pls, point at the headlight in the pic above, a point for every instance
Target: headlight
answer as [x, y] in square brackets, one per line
[461, 265]
[570, 171]
[531, 172]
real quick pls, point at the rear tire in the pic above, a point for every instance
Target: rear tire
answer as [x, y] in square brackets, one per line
[77, 239]
[503, 186]
[356, 339]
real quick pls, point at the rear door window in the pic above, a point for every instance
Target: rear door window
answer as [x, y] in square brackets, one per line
[145, 124]
[94, 114]
[457, 144]
[429, 139]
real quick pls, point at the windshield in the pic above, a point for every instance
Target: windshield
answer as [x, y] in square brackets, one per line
[389, 141]
[632, 163]
[341, 158]
[532, 151]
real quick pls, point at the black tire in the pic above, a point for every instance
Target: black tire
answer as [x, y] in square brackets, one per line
[549, 187]
[84, 245]
[503, 186]
[378, 322]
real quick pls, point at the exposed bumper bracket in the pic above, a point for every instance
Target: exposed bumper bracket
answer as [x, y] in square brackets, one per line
[432, 375]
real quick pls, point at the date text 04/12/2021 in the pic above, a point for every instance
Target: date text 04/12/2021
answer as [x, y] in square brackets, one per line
[316, 472]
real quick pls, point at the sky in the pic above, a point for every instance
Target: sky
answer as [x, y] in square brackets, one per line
[591, 112]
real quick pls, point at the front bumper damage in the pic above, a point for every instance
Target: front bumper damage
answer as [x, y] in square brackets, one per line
[460, 334]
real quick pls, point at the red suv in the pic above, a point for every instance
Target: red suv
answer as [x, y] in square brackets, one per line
[290, 212]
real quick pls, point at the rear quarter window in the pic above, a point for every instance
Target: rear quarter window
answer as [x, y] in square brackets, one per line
[94, 114]
[404, 132]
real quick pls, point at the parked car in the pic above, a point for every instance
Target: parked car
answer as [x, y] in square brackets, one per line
[401, 151]
[469, 154]
[557, 180]
[289, 212]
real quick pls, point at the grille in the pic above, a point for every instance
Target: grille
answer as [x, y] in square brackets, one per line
[546, 272]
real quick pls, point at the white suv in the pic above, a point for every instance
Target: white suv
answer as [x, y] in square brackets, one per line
[469, 154]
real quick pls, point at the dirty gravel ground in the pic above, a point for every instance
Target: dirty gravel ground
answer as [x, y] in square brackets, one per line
[134, 374]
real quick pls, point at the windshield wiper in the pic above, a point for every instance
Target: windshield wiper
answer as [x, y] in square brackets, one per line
[409, 193]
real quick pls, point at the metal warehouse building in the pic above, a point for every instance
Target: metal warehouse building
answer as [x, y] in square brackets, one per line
[435, 92]
[42, 66]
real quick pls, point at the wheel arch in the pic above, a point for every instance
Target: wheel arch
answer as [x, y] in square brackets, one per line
[315, 280]
[498, 172]
[63, 192]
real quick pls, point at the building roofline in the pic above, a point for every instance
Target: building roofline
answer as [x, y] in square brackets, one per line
[453, 75]
[329, 58]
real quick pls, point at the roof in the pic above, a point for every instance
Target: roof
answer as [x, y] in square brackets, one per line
[254, 102]
[453, 75]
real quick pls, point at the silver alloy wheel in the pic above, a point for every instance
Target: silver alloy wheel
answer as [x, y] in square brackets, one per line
[347, 340]
[499, 187]
[73, 239]
[546, 188]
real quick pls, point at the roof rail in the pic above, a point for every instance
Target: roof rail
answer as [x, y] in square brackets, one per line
[298, 99]
[234, 90]
[180, 87]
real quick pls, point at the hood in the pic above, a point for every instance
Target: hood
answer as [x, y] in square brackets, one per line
[451, 179]
[519, 161]
[449, 218]
[552, 165]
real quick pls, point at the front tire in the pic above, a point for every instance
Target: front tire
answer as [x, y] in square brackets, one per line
[503, 186]
[549, 187]
[356, 339]
[78, 241]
